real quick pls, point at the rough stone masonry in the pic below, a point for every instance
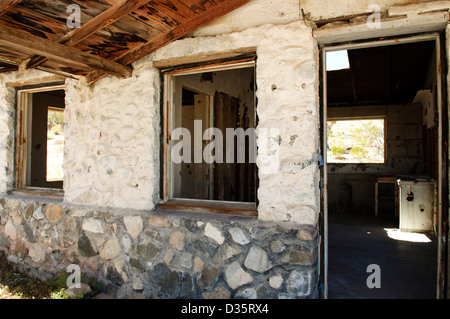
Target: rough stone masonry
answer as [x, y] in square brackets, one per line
[161, 255]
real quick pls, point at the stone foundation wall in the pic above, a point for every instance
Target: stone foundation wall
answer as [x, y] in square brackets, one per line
[161, 254]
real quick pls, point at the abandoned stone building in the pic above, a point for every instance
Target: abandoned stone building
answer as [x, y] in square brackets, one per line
[97, 96]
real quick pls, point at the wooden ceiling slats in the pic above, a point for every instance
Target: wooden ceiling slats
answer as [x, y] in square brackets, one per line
[11, 57]
[188, 26]
[104, 19]
[177, 5]
[174, 9]
[21, 41]
[6, 66]
[53, 10]
[90, 8]
[201, 6]
[6, 5]
[153, 17]
[113, 33]
[112, 46]
[134, 26]
[22, 17]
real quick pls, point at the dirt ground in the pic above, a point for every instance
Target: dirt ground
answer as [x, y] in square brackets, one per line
[14, 285]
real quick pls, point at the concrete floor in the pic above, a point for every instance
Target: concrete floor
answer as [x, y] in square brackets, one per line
[408, 269]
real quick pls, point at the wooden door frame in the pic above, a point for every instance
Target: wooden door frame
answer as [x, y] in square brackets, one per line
[442, 182]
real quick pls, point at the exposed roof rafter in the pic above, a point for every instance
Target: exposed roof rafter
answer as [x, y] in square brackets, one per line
[22, 41]
[107, 17]
[6, 5]
[190, 25]
[112, 35]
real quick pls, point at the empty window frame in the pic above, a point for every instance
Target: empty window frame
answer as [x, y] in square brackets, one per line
[40, 138]
[210, 149]
[359, 140]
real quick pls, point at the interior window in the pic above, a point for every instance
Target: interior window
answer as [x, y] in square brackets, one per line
[356, 141]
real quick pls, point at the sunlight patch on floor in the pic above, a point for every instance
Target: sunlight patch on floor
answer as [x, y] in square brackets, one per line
[396, 234]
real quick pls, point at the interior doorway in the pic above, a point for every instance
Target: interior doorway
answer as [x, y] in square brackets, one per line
[382, 174]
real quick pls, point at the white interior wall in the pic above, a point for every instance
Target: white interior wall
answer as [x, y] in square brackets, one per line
[352, 186]
[238, 86]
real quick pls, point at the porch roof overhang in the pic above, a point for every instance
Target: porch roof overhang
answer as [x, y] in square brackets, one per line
[96, 38]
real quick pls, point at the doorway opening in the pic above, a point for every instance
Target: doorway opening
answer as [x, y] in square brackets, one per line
[381, 139]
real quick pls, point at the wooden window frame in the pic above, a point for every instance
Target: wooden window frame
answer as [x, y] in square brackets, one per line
[441, 107]
[194, 205]
[22, 146]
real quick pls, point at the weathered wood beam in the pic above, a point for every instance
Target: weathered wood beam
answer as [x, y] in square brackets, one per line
[4, 67]
[107, 17]
[190, 25]
[30, 44]
[5, 5]
[33, 62]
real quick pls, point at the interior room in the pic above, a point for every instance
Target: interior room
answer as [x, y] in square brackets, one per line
[218, 100]
[382, 169]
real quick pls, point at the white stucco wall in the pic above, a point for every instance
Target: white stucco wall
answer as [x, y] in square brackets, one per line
[328, 9]
[6, 136]
[7, 122]
[111, 156]
[253, 14]
[287, 82]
